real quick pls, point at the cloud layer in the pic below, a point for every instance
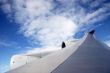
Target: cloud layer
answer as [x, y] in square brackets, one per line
[49, 22]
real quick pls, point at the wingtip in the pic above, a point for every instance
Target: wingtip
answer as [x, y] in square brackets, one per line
[92, 32]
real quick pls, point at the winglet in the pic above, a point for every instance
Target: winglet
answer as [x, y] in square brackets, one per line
[92, 32]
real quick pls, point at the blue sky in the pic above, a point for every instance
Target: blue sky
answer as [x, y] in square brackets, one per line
[30, 25]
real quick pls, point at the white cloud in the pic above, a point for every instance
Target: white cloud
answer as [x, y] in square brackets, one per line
[37, 7]
[6, 8]
[10, 44]
[96, 15]
[27, 10]
[50, 31]
[4, 44]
